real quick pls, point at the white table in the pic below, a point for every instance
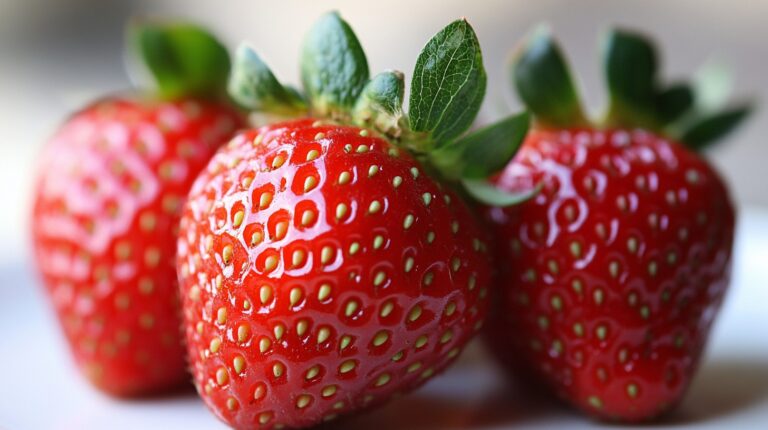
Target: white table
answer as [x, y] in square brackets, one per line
[40, 390]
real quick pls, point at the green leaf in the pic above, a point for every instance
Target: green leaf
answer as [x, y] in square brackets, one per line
[631, 65]
[673, 102]
[487, 193]
[182, 59]
[712, 127]
[448, 84]
[381, 102]
[253, 86]
[483, 152]
[333, 66]
[544, 83]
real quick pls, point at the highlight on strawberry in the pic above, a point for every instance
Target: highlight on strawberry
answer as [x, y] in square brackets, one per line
[110, 186]
[612, 275]
[323, 269]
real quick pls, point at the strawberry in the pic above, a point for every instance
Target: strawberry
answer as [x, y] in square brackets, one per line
[322, 269]
[612, 275]
[109, 193]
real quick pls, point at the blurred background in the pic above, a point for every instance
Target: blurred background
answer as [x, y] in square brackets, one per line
[57, 55]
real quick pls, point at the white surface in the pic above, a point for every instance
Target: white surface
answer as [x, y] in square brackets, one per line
[40, 390]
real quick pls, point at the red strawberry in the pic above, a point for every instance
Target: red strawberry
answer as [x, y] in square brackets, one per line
[612, 275]
[322, 269]
[111, 184]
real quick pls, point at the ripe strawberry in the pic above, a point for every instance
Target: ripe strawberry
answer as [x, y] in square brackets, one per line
[110, 188]
[322, 269]
[612, 275]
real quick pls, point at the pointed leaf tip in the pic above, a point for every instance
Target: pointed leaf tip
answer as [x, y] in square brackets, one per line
[253, 86]
[487, 193]
[544, 83]
[482, 152]
[709, 128]
[631, 66]
[448, 83]
[181, 59]
[334, 69]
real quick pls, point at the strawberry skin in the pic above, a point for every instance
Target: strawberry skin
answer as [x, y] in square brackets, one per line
[611, 276]
[111, 184]
[322, 271]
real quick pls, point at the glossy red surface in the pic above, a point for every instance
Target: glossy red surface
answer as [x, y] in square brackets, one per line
[323, 272]
[111, 184]
[612, 276]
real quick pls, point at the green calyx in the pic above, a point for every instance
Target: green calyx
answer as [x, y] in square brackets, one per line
[637, 96]
[447, 88]
[179, 59]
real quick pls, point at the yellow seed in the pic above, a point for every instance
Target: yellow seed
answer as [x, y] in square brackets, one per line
[446, 337]
[324, 292]
[396, 181]
[264, 417]
[408, 264]
[351, 308]
[278, 369]
[301, 327]
[374, 207]
[383, 380]
[408, 221]
[221, 315]
[312, 372]
[256, 238]
[215, 345]
[302, 401]
[312, 154]
[270, 263]
[341, 210]
[246, 181]
[326, 254]
[319, 136]
[239, 364]
[398, 356]
[265, 294]
[309, 183]
[450, 308]
[296, 295]
[421, 341]
[347, 366]
[279, 330]
[297, 259]
[264, 344]
[221, 376]
[329, 390]
[323, 334]
[379, 278]
[345, 341]
[307, 218]
[231, 403]
[239, 215]
[278, 161]
[344, 178]
[415, 313]
[243, 332]
[226, 254]
[281, 229]
[386, 309]
[265, 199]
[414, 367]
[259, 392]
[380, 338]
